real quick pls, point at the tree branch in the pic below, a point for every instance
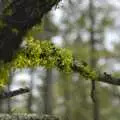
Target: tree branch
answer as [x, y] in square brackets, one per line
[5, 95]
[105, 77]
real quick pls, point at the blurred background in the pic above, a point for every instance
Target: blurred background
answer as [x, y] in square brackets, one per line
[91, 30]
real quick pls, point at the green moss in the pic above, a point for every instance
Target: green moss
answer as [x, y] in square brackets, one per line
[85, 70]
[15, 30]
[2, 24]
[43, 53]
[8, 12]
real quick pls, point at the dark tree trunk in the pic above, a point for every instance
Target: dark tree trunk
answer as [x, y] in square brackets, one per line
[93, 61]
[25, 14]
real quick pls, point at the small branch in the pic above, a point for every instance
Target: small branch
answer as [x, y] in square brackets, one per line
[13, 93]
[105, 77]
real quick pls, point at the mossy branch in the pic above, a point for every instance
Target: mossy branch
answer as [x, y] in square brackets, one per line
[43, 53]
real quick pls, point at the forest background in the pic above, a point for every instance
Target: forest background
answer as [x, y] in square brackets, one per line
[69, 95]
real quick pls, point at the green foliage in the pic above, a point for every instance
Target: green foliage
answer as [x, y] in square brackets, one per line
[85, 70]
[43, 53]
[36, 53]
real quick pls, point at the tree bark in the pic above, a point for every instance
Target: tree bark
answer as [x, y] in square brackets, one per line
[93, 61]
[25, 14]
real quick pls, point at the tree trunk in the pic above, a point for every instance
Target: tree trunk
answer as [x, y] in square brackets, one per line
[93, 61]
[25, 14]
[47, 91]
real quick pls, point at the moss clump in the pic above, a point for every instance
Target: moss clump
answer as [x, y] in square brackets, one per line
[43, 53]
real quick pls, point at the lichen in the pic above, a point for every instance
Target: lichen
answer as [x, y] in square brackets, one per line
[36, 53]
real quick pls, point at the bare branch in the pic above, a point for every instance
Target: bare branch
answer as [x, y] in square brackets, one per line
[107, 78]
[5, 95]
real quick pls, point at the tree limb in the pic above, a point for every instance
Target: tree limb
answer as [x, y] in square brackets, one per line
[105, 77]
[5, 95]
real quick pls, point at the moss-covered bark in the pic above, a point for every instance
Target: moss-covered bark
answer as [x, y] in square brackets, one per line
[27, 117]
[17, 18]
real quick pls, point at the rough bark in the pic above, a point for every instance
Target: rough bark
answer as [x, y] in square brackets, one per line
[25, 14]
